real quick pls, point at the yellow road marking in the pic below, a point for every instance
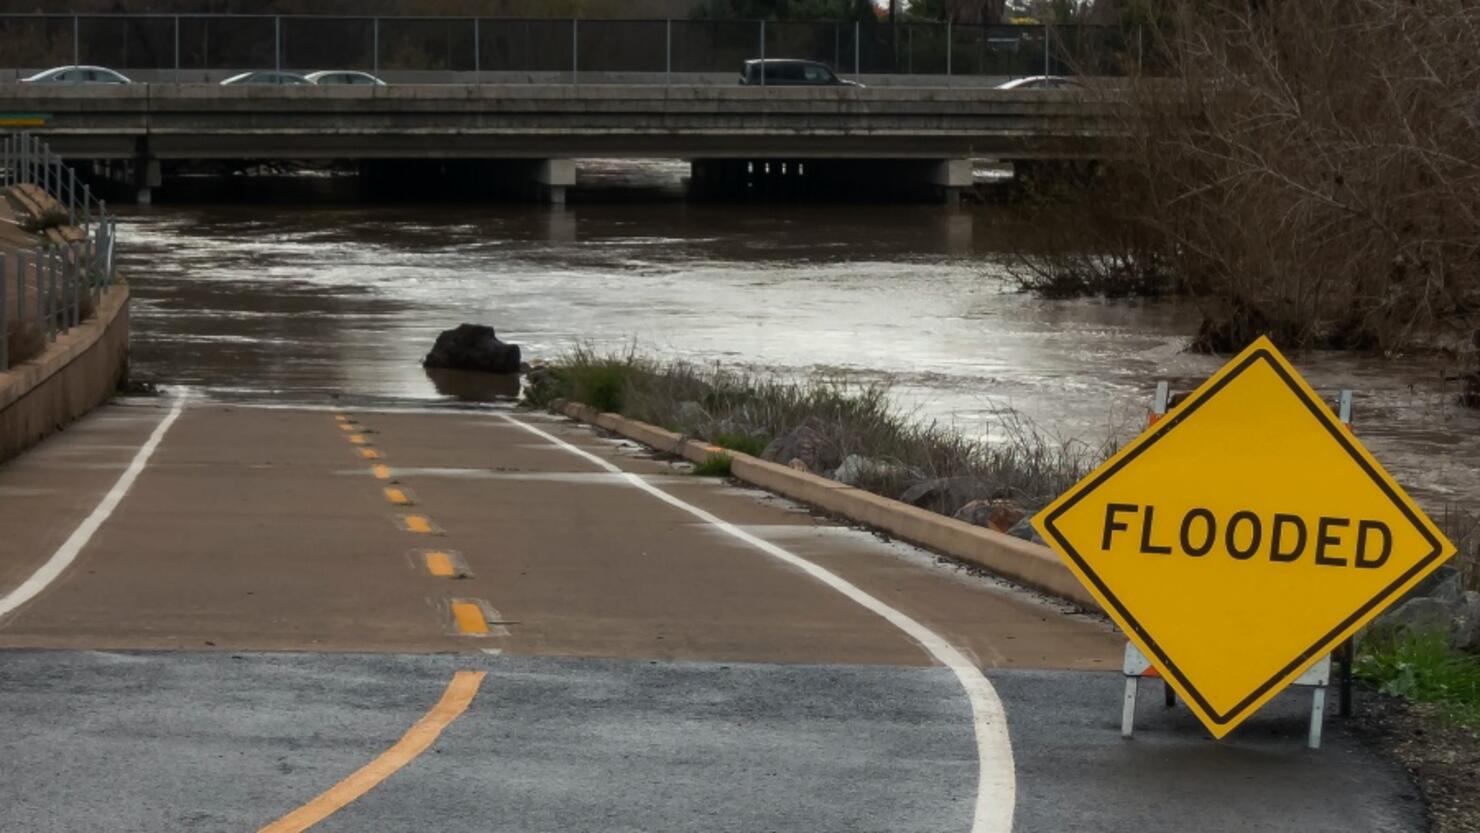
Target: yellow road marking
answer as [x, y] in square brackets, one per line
[357, 439]
[439, 564]
[338, 417]
[382, 472]
[469, 618]
[348, 426]
[397, 496]
[418, 739]
[370, 454]
[417, 523]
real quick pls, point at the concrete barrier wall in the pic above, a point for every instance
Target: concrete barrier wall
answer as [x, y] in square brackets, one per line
[1012, 558]
[79, 371]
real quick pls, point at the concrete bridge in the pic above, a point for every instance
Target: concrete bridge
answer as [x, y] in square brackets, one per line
[909, 135]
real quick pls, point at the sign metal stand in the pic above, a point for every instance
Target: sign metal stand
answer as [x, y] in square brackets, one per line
[1318, 676]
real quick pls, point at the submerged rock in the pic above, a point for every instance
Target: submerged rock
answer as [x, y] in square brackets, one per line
[473, 347]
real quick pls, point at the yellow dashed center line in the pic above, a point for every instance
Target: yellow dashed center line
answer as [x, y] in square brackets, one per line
[357, 439]
[439, 564]
[348, 426]
[370, 454]
[469, 619]
[417, 523]
[397, 496]
[381, 471]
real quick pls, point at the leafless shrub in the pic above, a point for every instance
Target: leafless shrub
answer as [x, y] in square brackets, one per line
[1310, 170]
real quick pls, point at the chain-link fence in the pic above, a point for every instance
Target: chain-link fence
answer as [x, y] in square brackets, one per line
[50, 287]
[201, 47]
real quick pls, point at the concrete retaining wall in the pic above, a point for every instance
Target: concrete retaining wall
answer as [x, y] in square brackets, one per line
[1013, 558]
[80, 370]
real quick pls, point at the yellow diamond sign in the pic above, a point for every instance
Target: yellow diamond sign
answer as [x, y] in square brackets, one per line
[1242, 537]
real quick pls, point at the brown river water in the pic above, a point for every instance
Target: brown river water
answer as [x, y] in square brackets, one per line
[307, 300]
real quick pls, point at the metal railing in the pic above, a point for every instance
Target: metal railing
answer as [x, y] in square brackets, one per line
[49, 288]
[174, 46]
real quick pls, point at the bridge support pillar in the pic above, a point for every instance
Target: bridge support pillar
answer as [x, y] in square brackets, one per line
[553, 176]
[951, 177]
[147, 176]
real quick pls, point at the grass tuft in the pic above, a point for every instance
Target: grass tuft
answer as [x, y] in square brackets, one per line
[715, 465]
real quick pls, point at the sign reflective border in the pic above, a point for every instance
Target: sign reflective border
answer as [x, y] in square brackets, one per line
[1242, 537]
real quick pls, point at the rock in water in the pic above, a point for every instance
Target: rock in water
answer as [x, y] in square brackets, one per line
[473, 347]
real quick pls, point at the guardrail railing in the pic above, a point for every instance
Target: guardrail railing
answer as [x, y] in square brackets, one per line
[50, 287]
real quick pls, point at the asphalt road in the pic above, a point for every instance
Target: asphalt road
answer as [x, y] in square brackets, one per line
[256, 624]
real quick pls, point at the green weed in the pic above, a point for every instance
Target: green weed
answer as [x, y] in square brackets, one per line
[1423, 667]
[715, 465]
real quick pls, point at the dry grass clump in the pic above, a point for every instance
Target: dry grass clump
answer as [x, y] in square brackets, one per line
[745, 413]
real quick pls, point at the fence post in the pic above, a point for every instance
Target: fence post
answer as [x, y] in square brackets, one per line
[668, 51]
[1046, 32]
[4, 319]
[72, 196]
[20, 286]
[112, 228]
[477, 52]
[575, 50]
[77, 276]
[763, 52]
[857, 39]
[177, 49]
[950, 41]
[375, 45]
[76, 41]
[277, 44]
[43, 293]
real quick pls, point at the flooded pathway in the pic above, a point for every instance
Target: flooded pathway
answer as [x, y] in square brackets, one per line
[303, 302]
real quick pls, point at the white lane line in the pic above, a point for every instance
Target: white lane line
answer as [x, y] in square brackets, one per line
[67, 552]
[996, 791]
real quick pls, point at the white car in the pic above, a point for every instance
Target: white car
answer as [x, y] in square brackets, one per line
[1042, 82]
[330, 77]
[266, 76]
[77, 75]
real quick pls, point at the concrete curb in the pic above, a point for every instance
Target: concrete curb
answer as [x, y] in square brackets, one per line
[1013, 558]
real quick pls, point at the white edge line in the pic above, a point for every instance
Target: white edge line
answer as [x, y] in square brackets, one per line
[68, 551]
[996, 793]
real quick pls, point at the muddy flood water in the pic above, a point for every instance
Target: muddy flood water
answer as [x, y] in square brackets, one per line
[304, 301]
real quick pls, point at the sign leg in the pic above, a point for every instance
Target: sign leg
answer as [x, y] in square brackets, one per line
[1317, 716]
[1128, 710]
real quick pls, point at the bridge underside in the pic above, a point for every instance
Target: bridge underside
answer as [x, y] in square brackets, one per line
[740, 139]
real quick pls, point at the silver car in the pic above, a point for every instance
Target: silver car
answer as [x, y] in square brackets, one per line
[78, 75]
[328, 77]
[266, 76]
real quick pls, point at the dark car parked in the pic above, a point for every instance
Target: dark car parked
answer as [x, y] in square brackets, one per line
[790, 72]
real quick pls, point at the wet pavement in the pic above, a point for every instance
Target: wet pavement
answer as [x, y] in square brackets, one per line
[623, 663]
